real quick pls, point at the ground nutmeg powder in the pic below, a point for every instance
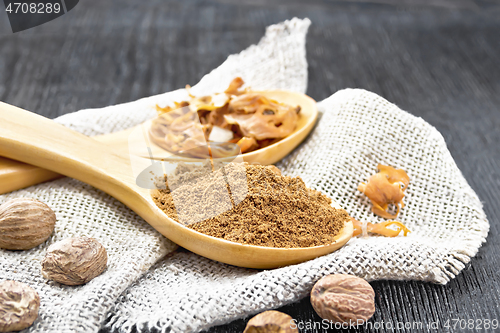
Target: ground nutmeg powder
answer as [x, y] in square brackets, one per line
[250, 204]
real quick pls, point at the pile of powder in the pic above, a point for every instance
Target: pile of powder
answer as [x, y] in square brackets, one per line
[250, 204]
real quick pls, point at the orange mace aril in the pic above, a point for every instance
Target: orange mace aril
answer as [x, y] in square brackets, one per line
[380, 228]
[386, 187]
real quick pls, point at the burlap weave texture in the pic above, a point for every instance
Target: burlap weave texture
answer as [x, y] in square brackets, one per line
[144, 289]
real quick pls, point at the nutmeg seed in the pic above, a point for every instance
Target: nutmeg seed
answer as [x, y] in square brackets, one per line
[271, 322]
[25, 223]
[19, 305]
[74, 261]
[343, 298]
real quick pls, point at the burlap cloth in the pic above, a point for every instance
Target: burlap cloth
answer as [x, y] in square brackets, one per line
[144, 289]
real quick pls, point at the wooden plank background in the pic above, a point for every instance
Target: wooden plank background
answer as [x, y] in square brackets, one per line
[439, 60]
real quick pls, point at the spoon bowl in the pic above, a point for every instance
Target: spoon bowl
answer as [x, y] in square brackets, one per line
[30, 138]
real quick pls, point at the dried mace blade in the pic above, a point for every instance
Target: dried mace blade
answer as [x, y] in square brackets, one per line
[387, 228]
[385, 187]
[74, 261]
[19, 305]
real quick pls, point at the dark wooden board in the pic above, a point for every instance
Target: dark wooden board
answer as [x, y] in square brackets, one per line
[439, 60]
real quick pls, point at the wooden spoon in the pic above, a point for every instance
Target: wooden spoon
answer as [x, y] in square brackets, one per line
[33, 139]
[15, 175]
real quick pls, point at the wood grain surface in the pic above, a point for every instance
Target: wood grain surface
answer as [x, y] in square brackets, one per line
[439, 60]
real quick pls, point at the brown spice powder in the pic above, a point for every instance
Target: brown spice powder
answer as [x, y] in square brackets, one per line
[250, 204]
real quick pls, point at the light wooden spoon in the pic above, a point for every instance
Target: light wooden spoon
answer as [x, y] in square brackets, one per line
[15, 175]
[33, 139]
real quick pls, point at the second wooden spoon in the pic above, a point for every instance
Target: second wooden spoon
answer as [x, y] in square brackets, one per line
[15, 175]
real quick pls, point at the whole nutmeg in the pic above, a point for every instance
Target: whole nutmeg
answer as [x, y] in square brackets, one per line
[25, 223]
[74, 261]
[271, 322]
[19, 305]
[343, 298]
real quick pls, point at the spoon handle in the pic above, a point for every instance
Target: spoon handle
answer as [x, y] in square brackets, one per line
[33, 139]
[15, 175]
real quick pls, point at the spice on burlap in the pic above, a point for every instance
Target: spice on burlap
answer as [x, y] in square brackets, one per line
[250, 204]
